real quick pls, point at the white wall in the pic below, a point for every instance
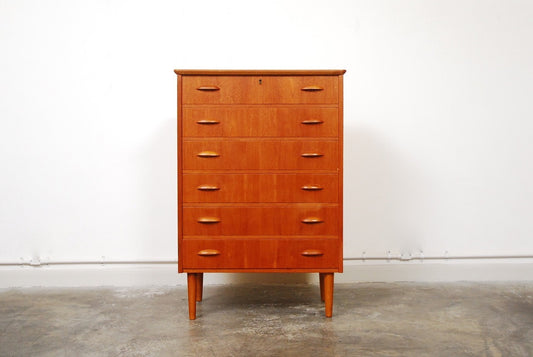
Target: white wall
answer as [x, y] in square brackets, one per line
[438, 119]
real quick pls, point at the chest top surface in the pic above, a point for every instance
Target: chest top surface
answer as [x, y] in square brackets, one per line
[255, 72]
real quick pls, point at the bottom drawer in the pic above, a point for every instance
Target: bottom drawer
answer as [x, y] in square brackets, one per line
[249, 253]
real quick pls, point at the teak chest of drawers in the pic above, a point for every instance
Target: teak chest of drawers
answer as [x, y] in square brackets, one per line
[260, 174]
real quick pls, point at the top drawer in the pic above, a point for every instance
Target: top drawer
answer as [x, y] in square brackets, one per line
[300, 90]
[260, 90]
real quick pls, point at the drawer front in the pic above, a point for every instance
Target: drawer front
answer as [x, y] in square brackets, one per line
[287, 220]
[253, 121]
[220, 90]
[281, 253]
[322, 188]
[300, 90]
[260, 155]
[260, 90]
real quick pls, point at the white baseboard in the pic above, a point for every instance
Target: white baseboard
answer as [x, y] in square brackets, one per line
[137, 275]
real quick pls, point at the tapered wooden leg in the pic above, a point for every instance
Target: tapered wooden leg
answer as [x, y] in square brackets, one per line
[321, 278]
[199, 286]
[191, 289]
[328, 293]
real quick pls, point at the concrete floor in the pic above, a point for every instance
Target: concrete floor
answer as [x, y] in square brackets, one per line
[401, 319]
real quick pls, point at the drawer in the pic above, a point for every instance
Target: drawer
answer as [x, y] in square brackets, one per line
[321, 188]
[248, 154]
[300, 89]
[279, 253]
[266, 121]
[261, 220]
[260, 90]
[220, 90]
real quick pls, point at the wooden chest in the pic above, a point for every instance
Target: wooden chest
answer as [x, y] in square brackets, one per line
[260, 174]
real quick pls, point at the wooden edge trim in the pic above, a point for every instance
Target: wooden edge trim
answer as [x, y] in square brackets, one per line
[340, 171]
[254, 72]
[260, 270]
[180, 172]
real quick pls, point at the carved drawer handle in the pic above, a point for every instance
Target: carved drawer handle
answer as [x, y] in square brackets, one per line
[312, 154]
[312, 89]
[208, 220]
[208, 253]
[208, 188]
[312, 188]
[208, 88]
[312, 220]
[208, 154]
[312, 122]
[312, 253]
[207, 122]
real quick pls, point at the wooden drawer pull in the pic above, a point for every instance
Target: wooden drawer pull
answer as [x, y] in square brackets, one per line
[312, 220]
[208, 188]
[312, 122]
[312, 253]
[312, 154]
[208, 154]
[208, 220]
[312, 188]
[208, 88]
[208, 253]
[312, 89]
[207, 122]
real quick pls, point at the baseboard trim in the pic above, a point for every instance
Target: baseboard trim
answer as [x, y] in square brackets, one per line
[354, 272]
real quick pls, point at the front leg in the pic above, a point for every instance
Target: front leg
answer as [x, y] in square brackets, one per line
[191, 289]
[199, 286]
[328, 293]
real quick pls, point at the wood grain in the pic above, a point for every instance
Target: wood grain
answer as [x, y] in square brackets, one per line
[259, 90]
[191, 292]
[199, 286]
[180, 172]
[252, 154]
[260, 253]
[290, 90]
[277, 121]
[340, 160]
[328, 293]
[232, 90]
[321, 282]
[260, 177]
[261, 72]
[262, 220]
[320, 188]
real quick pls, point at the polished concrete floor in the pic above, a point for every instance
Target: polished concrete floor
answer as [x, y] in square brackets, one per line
[400, 319]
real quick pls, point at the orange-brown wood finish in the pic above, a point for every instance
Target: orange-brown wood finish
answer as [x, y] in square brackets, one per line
[260, 90]
[262, 253]
[191, 289]
[259, 174]
[255, 188]
[328, 293]
[316, 219]
[321, 281]
[260, 154]
[260, 72]
[180, 176]
[269, 121]
[199, 286]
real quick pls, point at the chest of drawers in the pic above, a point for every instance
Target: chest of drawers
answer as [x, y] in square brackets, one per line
[260, 174]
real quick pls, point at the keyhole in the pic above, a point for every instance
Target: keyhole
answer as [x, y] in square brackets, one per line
[260, 81]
